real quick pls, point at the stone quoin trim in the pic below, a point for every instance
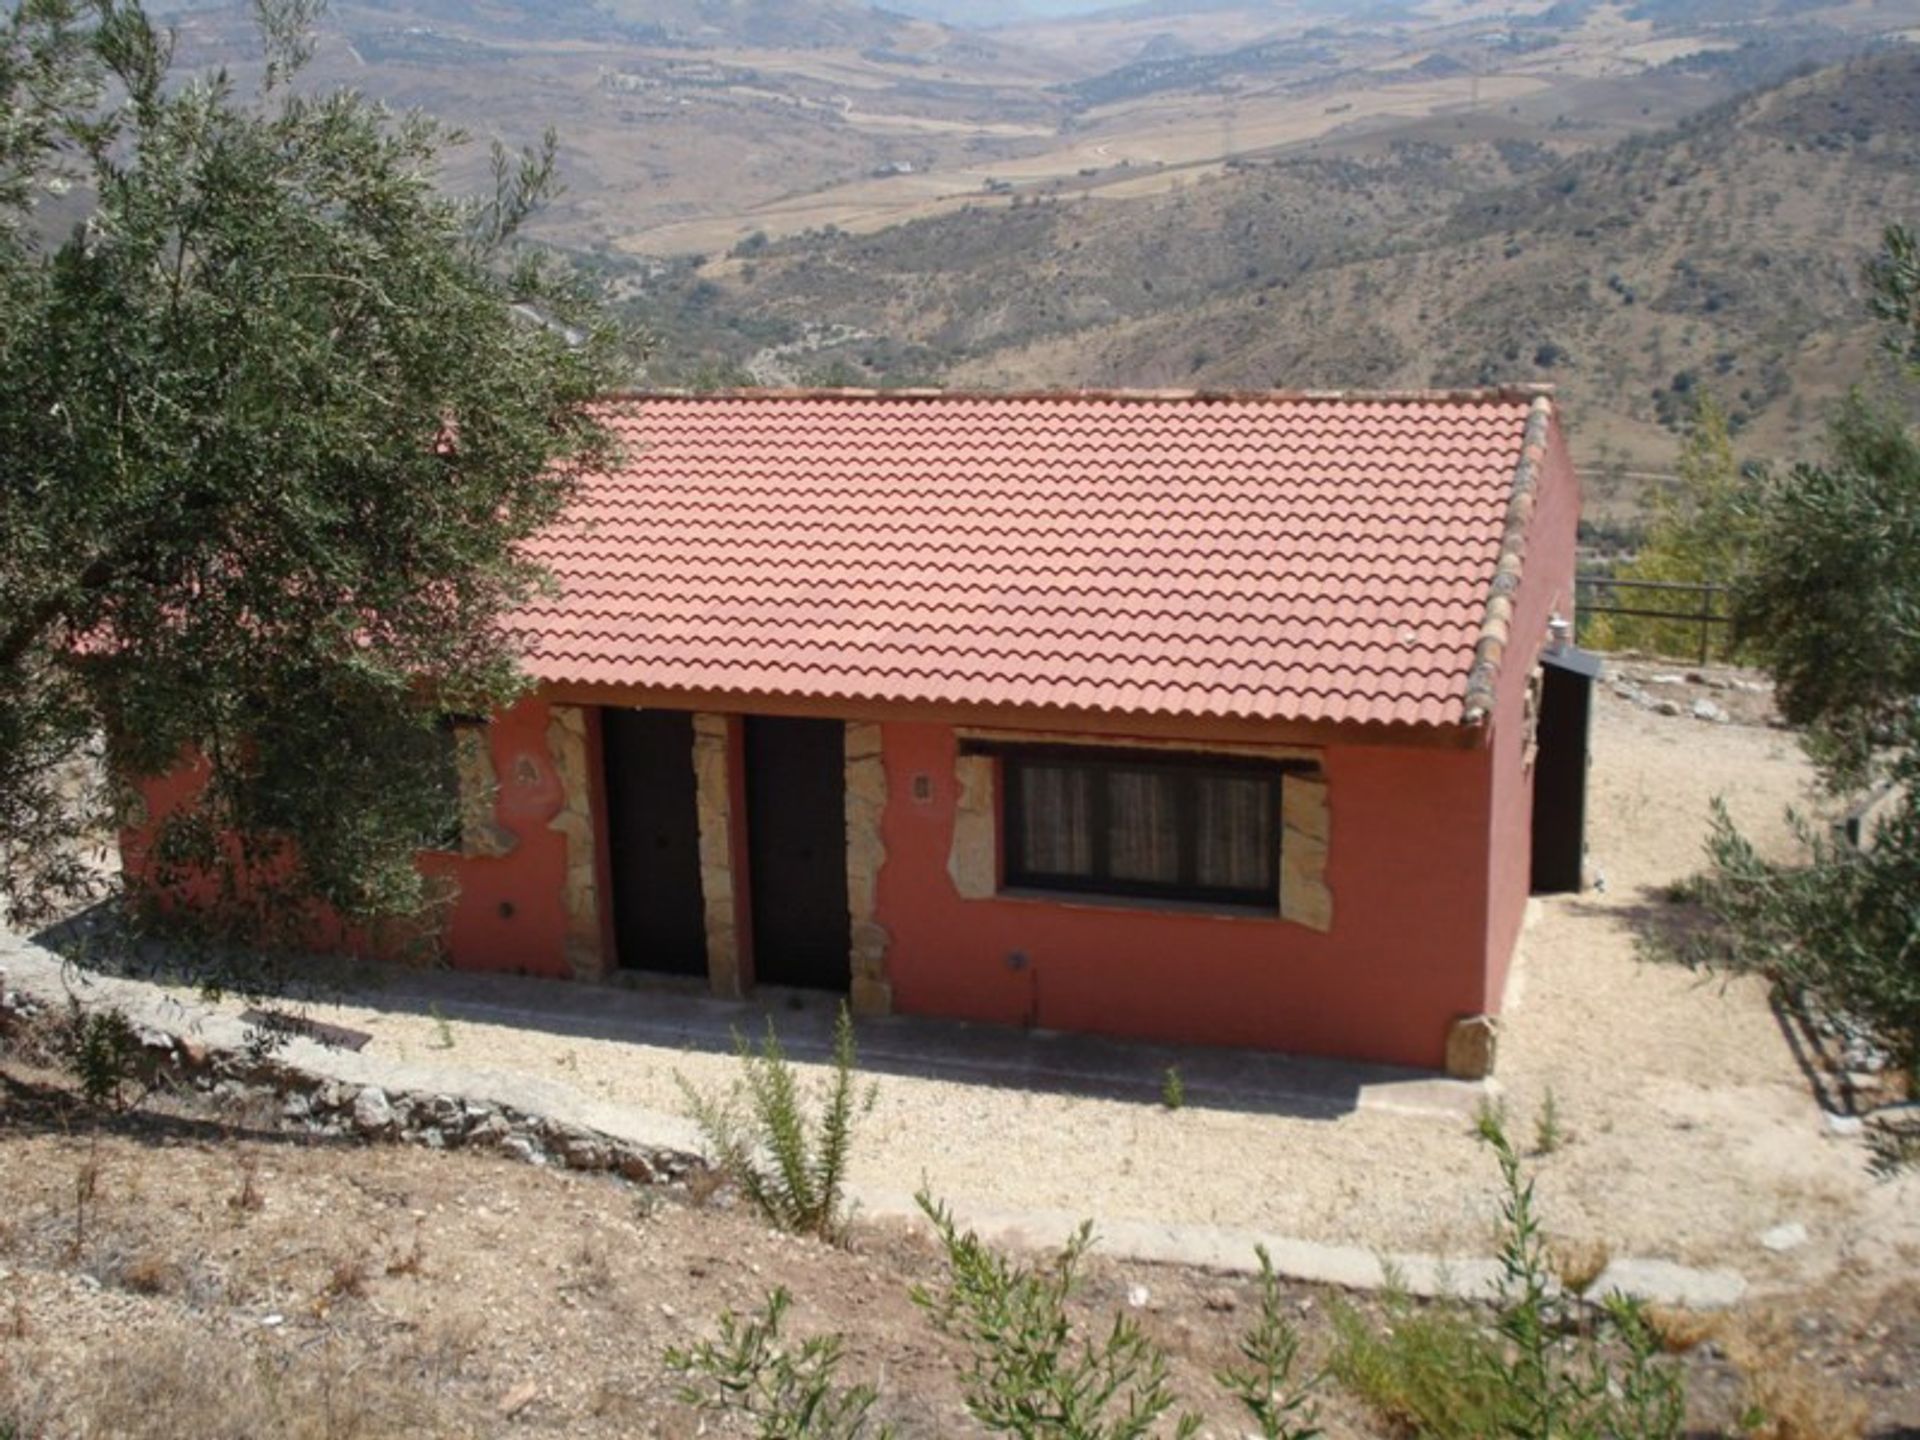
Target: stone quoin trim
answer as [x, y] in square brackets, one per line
[866, 803]
[1496, 628]
[713, 800]
[572, 763]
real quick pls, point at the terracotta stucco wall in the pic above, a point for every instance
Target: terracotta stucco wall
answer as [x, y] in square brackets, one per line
[1546, 587]
[511, 908]
[1404, 955]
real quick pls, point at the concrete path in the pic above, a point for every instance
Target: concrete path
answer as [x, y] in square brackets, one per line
[979, 1055]
[683, 1015]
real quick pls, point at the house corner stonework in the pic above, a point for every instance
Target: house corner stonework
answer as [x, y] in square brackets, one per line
[569, 752]
[866, 804]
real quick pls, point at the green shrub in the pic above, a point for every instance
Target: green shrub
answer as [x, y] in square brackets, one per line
[1031, 1371]
[1839, 929]
[787, 1155]
[101, 1051]
[1543, 1366]
[1430, 1371]
[789, 1394]
[1173, 1089]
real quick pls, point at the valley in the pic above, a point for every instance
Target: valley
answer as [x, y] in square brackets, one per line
[1631, 201]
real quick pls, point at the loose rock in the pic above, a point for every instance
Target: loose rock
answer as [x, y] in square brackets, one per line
[1782, 1238]
[372, 1111]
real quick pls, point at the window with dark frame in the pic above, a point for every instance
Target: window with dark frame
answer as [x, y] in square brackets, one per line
[1151, 826]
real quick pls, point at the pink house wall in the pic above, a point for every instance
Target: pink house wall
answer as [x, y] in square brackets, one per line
[508, 912]
[1407, 869]
[1546, 588]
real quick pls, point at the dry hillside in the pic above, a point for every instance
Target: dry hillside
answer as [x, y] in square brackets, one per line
[1723, 253]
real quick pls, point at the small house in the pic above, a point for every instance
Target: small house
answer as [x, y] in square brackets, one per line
[1201, 718]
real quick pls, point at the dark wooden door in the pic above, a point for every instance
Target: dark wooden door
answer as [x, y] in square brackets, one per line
[1560, 771]
[653, 836]
[797, 851]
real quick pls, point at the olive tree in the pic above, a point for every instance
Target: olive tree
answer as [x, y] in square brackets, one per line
[277, 416]
[1830, 600]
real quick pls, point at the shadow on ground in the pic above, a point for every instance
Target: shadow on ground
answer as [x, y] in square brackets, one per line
[675, 1014]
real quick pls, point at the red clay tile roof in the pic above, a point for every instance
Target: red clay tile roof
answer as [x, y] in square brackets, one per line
[1291, 557]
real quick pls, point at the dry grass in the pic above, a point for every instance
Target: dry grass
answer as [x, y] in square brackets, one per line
[173, 1381]
[1787, 1398]
[1681, 1329]
[347, 1279]
[248, 1197]
[150, 1272]
[1578, 1263]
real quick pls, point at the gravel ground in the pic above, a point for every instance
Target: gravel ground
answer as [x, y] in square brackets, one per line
[1689, 1129]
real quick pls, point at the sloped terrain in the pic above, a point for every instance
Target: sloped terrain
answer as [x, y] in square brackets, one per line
[1721, 254]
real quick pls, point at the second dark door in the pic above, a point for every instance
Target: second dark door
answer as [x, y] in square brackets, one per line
[797, 851]
[1560, 772]
[653, 835]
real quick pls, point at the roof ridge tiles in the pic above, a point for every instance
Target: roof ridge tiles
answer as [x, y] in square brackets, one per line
[1491, 394]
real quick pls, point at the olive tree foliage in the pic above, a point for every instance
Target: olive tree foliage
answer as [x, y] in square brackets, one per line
[277, 416]
[1829, 598]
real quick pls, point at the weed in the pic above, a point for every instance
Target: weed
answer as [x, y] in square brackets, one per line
[101, 1050]
[1490, 1112]
[1173, 1090]
[791, 1394]
[172, 1380]
[765, 1137]
[412, 1260]
[1030, 1371]
[1545, 1367]
[1574, 1391]
[347, 1279]
[1548, 1133]
[149, 1273]
[1429, 1371]
[1893, 1151]
[442, 1031]
[249, 1197]
[594, 1266]
[1264, 1384]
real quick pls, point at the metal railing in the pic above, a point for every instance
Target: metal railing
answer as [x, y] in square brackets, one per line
[1601, 595]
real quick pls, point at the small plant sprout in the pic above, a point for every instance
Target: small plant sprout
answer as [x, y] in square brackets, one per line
[1549, 1134]
[442, 1031]
[1173, 1090]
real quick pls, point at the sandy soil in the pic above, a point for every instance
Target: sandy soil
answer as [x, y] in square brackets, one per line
[1689, 1128]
